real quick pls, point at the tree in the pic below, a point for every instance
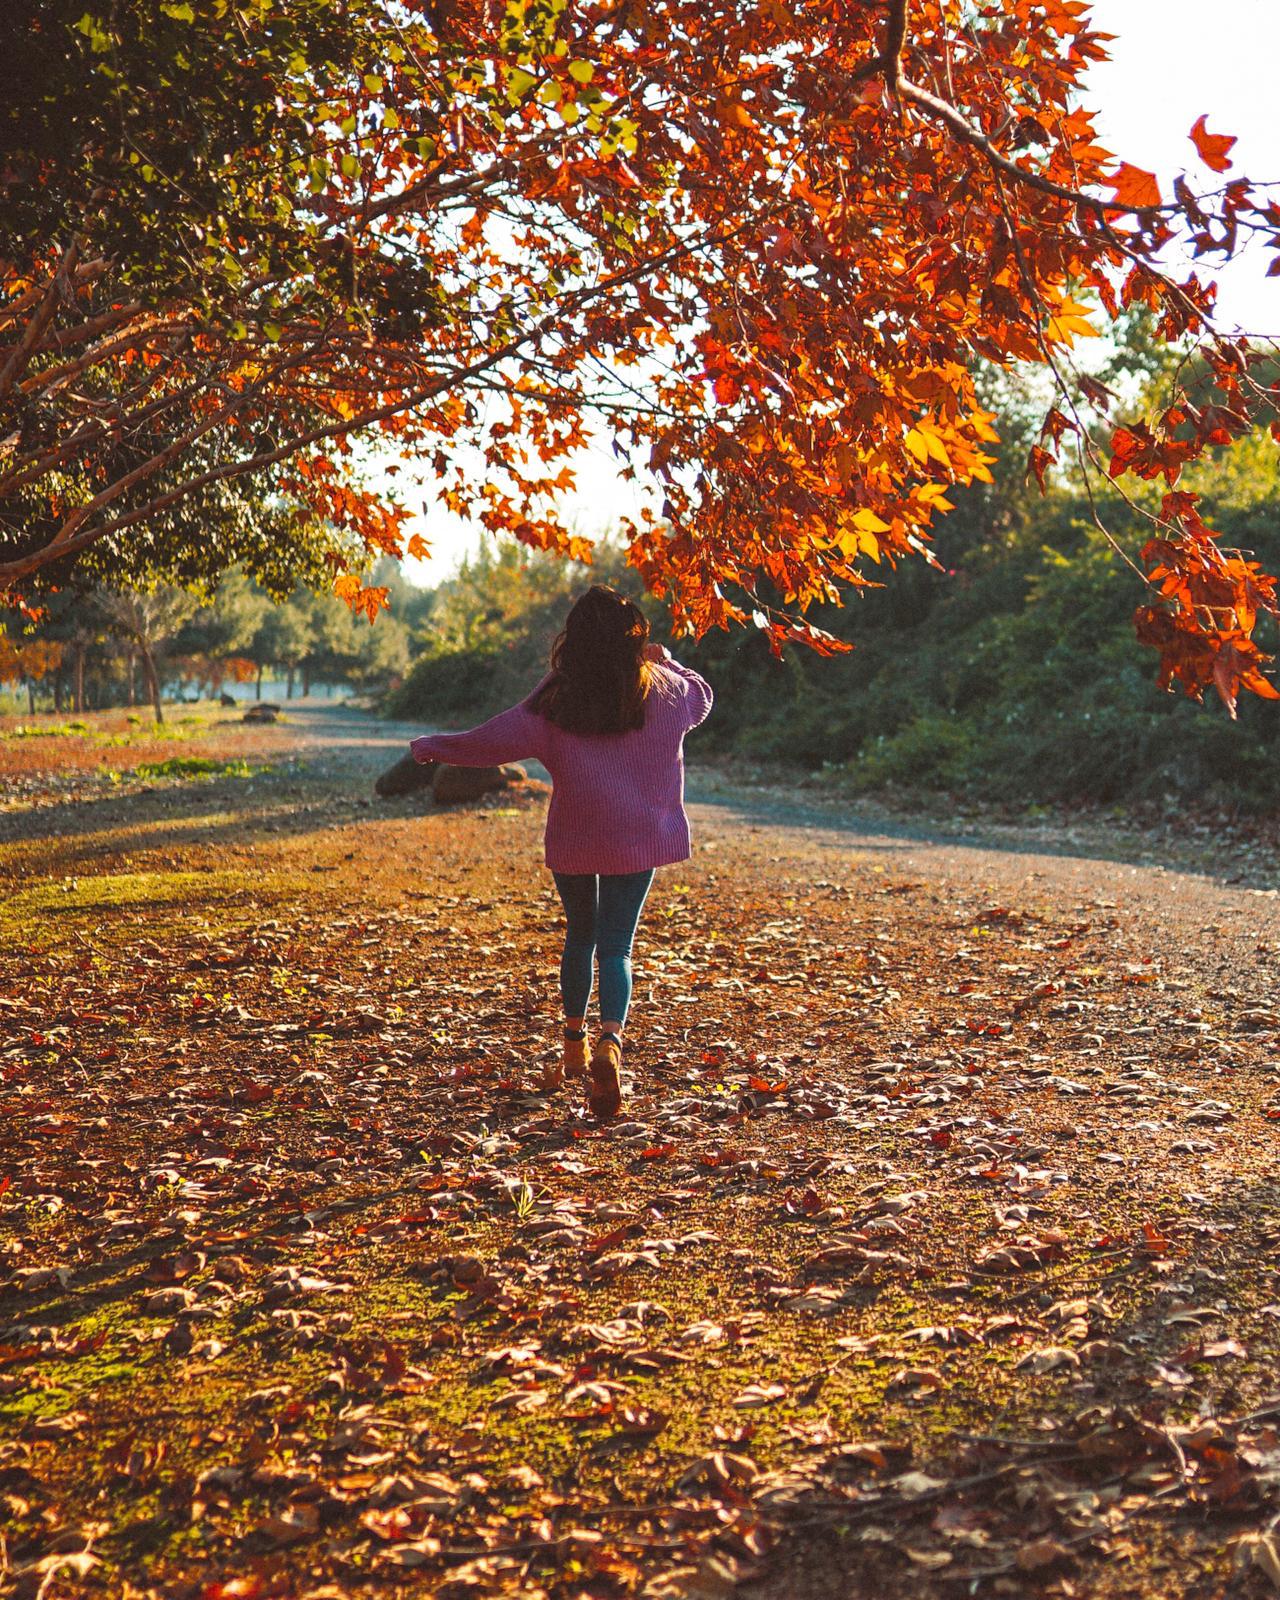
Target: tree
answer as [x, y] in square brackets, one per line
[764, 247]
[148, 621]
[27, 660]
[284, 637]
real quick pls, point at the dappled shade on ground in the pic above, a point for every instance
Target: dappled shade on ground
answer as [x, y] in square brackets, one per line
[936, 1239]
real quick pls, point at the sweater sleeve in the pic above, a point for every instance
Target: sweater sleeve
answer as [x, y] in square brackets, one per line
[698, 697]
[509, 736]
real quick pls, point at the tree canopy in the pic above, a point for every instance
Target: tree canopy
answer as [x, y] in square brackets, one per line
[762, 248]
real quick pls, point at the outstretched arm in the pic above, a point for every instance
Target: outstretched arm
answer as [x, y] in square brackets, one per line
[510, 736]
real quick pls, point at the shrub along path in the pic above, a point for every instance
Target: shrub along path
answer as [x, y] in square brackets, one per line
[934, 1253]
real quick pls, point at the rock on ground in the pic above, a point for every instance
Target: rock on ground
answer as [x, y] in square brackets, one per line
[454, 785]
[405, 776]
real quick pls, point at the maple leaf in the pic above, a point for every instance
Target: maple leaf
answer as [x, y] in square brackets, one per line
[1135, 189]
[1213, 147]
[1068, 322]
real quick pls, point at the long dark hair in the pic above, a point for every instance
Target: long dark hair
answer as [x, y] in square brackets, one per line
[599, 677]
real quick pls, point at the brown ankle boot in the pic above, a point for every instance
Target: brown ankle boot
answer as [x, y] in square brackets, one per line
[604, 1092]
[573, 1060]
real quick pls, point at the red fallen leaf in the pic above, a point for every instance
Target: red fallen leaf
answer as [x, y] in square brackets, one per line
[15, 1354]
[807, 1202]
[173, 1269]
[1213, 147]
[942, 1137]
[254, 1094]
[763, 1086]
[641, 1421]
[606, 1241]
[1153, 1240]
[394, 1363]
[1229, 1480]
[5, 1182]
[89, 1344]
[389, 1525]
[657, 1152]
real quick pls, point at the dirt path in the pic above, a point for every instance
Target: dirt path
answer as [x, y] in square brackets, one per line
[934, 1252]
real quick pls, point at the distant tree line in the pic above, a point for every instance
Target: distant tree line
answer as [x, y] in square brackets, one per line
[97, 646]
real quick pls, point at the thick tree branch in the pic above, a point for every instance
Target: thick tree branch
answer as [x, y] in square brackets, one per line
[22, 352]
[889, 63]
[960, 125]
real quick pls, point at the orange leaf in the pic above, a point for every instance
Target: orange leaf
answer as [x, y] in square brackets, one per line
[1213, 147]
[1135, 189]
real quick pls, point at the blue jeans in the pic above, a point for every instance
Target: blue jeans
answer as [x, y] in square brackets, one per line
[601, 913]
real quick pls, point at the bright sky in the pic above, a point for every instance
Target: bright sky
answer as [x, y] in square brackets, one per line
[1172, 60]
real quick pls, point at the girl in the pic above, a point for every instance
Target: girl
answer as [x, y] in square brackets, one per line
[608, 722]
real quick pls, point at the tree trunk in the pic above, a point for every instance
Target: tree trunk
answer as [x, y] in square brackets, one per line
[57, 690]
[133, 687]
[258, 690]
[151, 678]
[306, 679]
[31, 696]
[77, 680]
[289, 692]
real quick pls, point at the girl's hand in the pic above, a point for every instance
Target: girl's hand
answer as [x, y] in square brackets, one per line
[656, 652]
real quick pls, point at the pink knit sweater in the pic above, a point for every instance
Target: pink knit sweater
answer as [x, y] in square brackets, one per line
[617, 802]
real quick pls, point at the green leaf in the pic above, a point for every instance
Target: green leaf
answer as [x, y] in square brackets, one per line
[350, 165]
[373, 83]
[581, 71]
[179, 13]
[520, 82]
[273, 330]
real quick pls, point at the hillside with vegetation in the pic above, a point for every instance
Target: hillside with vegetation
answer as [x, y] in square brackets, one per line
[1009, 673]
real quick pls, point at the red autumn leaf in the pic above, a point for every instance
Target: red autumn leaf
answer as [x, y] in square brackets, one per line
[606, 1241]
[1213, 147]
[1135, 188]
